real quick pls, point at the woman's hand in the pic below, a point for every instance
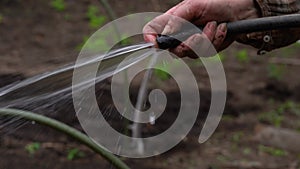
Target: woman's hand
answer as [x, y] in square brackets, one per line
[201, 12]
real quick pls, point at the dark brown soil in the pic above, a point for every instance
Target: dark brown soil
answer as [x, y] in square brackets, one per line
[36, 38]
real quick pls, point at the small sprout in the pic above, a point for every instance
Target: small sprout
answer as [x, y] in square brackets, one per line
[242, 56]
[236, 138]
[218, 57]
[161, 74]
[32, 148]
[276, 71]
[227, 118]
[247, 151]
[161, 71]
[95, 20]
[58, 5]
[273, 117]
[75, 153]
[223, 159]
[272, 151]
[125, 41]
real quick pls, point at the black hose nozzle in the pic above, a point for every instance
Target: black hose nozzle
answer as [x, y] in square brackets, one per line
[238, 27]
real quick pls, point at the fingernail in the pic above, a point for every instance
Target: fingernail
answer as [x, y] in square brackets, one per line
[212, 24]
[152, 39]
[223, 27]
[167, 30]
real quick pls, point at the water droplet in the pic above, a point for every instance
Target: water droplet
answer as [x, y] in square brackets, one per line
[32, 122]
[152, 118]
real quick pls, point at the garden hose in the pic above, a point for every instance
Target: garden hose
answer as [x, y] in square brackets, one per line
[238, 27]
[63, 128]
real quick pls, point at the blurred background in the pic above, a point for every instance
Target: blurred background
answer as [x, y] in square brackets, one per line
[260, 127]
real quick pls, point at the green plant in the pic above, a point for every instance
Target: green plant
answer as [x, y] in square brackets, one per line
[247, 151]
[272, 151]
[242, 56]
[227, 118]
[96, 44]
[161, 70]
[74, 153]
[275, 71]
[223, 159]
[95, 20]
[237, 136]
[273, 117]
[216, 58]
[58, 5]
[290, 106]
[276, 117]
[32, 148]
[162, 74]
[63, 128]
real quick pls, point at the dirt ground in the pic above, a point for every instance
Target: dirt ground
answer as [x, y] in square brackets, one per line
[263, 92]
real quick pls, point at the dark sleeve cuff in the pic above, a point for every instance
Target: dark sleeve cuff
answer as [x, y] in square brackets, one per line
[278, 7]
[269, 40]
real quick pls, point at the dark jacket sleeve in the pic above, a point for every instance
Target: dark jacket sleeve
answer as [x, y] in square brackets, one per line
[269, 40]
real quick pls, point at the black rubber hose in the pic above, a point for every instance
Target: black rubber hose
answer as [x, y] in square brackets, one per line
[238, 27]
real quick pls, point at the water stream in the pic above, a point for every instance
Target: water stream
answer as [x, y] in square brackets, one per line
[51, 88]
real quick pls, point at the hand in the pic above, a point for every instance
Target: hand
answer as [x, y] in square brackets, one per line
[201, 12]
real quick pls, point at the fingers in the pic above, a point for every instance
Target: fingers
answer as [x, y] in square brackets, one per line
[220, 36]
[185, 10]
[210, 30]
[212, 39]
[205, 44]
[155, 27]
[198, 42]
[169, 22]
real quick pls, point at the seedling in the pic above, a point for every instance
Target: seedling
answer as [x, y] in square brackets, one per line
[32, 148]
[95, 20]
[58, 5]
[272, 151]
[218, 57]
[75, 153]
[227, 118]
[290, 106]
[242, 56]
[276, 71]
[223, 159]
[273, 117]
[236, 138]
[247, 151]
[98, 44]
[162, 69]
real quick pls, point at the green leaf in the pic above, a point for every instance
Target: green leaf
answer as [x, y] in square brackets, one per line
[275, 71]
[95, 20]
[272, 151]
[32, 148]
[74, 153]
[242, 56]
[58, 5]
